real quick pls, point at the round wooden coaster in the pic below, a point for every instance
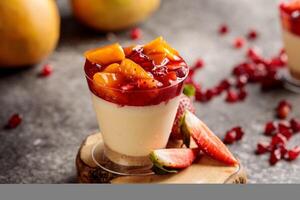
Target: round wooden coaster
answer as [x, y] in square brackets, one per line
[206, 170]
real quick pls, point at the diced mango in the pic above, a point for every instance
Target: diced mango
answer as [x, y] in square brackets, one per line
[160, 46]
[128, 50]
[107, 79]
[112, 68]
[106, 55]
[133, 70]
[159, 58]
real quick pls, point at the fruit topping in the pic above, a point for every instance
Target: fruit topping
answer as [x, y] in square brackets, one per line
[206, 140]
[171, 160]
[185, 103]
[106, 55]
[14, 121]
[151, 67]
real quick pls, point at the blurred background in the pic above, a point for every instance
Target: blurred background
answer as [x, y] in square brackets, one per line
[42, 79]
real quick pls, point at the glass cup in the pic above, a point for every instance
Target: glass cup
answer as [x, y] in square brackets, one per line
[290, 23]
[132, 124]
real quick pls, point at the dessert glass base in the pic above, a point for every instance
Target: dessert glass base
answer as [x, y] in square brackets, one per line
[119, 164]
[290, 82]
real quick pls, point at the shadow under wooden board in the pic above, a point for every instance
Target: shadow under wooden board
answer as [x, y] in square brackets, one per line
[204, 171]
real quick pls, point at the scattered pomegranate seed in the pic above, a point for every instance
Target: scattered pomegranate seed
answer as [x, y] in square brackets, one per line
[47, 70]
[295, 125]
[238, 43]
[241, 81]
[199, 63]
[253, 55]
[223, 29]
[252, 34]
[275, 156]
[229, 137]
[135, 33]
[285, 130]
[231, 96]
[278, 139]
[224, 85]
[283, 109]
[233, 135]
[270, 128]
[293, 154]
[262, 148]
[14, 121]
[242, 94]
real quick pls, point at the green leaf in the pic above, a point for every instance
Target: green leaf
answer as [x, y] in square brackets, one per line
[189, 90]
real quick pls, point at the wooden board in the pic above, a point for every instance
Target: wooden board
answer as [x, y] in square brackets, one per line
[206, 170]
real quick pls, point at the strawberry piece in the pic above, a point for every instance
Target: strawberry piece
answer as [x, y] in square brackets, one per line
[132, 70]
[171, 160]
[206, 140]
[185, 103]
[106, 55]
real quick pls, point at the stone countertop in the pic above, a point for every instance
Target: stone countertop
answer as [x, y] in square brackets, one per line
[58, 114]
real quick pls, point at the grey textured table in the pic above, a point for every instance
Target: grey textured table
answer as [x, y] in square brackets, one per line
[58, 113]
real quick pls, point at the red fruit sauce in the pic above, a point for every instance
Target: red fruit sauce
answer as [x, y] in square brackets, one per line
[170, 75]
[290, 16]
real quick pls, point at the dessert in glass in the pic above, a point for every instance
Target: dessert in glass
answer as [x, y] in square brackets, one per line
[290, 21]
[135, 93]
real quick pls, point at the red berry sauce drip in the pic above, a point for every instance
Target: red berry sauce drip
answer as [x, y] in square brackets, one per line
[170, 75]
[233, 135]
[14, 121]
[290, 16]
[280, 132]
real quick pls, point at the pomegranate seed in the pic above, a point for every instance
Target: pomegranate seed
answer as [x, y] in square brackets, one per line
[275, 156]
[232, 96]
[239, 132]
[223, 29]
[209, 94]
[241, 81]
[278, 139]
[285, 130]
[224, 85]
[283, 109]
[295, 125]
[283, 150]
[198, 64]
[252, 34]
[229, 137]
[270, 128]
[242, 94]
[262, 148]
[200, 96]
[47, 70]
[238, 43]
[253, 55]
[14, 121]
[293, 154]
[135, 33]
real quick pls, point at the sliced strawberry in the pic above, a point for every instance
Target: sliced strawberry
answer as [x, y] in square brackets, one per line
[171, 160]
[106, 55]
[185, 103]
[206, 140]
[133, 70]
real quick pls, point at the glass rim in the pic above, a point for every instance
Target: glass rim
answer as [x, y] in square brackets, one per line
[141, 90]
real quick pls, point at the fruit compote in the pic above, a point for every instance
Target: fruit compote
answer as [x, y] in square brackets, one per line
[135, 92]
[290, 20]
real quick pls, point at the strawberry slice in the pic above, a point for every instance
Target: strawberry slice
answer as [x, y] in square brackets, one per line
[106, 55]
[172, 160]
[206, 140]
